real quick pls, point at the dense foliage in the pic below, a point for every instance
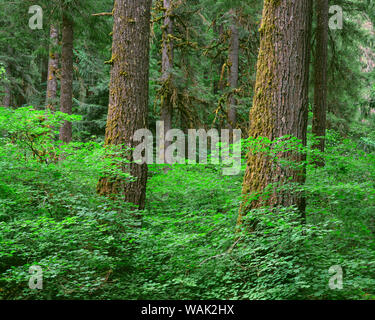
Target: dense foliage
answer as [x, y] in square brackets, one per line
[186, 243]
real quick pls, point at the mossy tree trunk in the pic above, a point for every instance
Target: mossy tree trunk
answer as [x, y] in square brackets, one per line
[66, 91]
[233, 58]
[51, 95]
[128, 102]
[167, 65]
[281, 100]
[218, 85]
[320, 74]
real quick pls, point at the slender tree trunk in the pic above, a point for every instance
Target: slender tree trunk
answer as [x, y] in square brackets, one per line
[66, 92]
[44, 69]
[221, 83]
[7, 99]
[7, 91]
[51, 96]
[281, 100]
[82, 91]
[128, 102]
[320, 75]
[218, 61]
[233, 70]
[166, 77]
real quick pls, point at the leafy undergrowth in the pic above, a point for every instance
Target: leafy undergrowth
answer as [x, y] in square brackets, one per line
[190, 248]
[187, 245]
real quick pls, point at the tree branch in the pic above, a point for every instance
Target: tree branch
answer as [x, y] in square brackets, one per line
[102, 14]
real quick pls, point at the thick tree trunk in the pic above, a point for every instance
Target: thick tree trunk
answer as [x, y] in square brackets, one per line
[128, 103]
[51, 96]
[66, 92]
[233, 56]
[166, 77]
[281, 99]
[320, 74]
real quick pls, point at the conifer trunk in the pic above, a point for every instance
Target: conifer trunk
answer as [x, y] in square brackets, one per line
[281, 99]
[53, 62]
[320, 74]
[221, 83]
[233, 70]
[7, 91]
[167, 65]
[128, 102]
[7, 99]
[218, 86]
[66, 92]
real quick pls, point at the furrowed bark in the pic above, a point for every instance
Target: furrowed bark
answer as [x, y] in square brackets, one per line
[320, 75]
[233, 70]
[53, 64]
[7, 91]
[128, 102]
[7, 99]
[218, 85]
[281, 100]
[166, 77]
[66, 91]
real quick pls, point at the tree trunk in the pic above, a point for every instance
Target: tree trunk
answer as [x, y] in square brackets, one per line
[7, 91]
[320, 75]
[66, 92]
[7, 99]
[218, 62]
[166, 77]
[82, 90]
[128, 102]
[281, 100]
[221, 83]
[233, 71]
[51, 96]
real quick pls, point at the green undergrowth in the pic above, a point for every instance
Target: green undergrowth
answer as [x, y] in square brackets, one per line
[186, 245]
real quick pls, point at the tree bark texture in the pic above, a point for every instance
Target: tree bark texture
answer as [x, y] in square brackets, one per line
[53, 64]
[166, 77]
[233, 58]
[281, 100]
[320, 74]
[128, 103]
[66, 91]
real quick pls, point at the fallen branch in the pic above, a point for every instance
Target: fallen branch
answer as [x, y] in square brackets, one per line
[214, 257]
[222, 254]
[102, 14]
